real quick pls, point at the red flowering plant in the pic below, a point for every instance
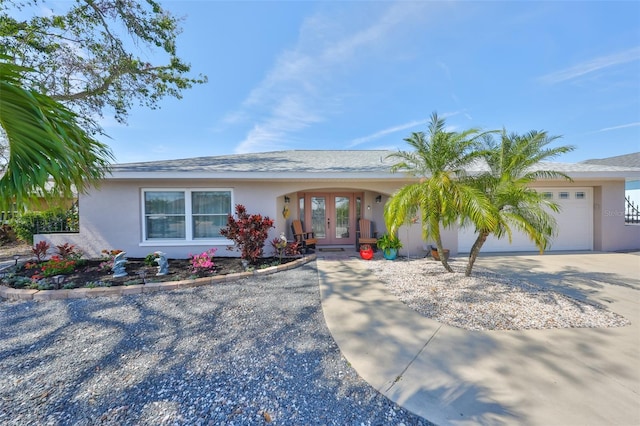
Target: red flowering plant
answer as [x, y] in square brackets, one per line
[248, 232]
[57, 266]
[202, 264]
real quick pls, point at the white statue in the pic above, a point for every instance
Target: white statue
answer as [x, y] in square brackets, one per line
[163, 263]
[118, 265]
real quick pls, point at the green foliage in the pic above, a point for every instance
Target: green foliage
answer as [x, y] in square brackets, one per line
[494, 202]
[29, 223]
[16, 281]
[150, 259]
[441, 197]
[57, 266]
[95, 56]
[513, 165]
[46, 144]
[388, 241]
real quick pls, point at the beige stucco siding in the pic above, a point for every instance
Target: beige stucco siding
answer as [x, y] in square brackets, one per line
[111, 216]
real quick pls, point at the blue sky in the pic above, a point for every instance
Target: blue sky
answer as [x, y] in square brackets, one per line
[364, 75]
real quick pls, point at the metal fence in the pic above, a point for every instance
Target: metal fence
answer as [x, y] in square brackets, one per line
[632, 212]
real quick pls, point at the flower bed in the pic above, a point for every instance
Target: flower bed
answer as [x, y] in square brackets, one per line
[94, 273]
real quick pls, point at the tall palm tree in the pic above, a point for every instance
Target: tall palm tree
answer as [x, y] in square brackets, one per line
[440, 197]
[514, 163]
[45, 144]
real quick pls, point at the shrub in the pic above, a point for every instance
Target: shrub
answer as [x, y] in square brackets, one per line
[248, 232]
[150, 259]
[69, 251]
[7, 235]
[33, 222]
[203, 263]
[284, 248]
[279, 244]
[16, 281]
[293, 249]
[40, 250]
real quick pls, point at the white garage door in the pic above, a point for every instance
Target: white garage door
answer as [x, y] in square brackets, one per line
[575, 225]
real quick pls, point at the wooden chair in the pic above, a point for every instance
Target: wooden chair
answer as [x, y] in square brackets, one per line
[306, 239]
[365, 234]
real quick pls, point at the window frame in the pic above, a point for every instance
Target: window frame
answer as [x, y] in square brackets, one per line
[188, 217]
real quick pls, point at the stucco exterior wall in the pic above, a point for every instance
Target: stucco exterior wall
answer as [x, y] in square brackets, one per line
[111, 216]
[613, 233]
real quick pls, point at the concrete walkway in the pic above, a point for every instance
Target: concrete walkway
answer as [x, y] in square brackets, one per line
[537, 377]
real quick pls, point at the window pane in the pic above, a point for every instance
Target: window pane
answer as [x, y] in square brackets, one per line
[580, 195]
[165, 227]
[564, 195]
[164, 202]
[208, 226]
[211, 202]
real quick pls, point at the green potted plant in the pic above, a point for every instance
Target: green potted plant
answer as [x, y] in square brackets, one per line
[389, 244]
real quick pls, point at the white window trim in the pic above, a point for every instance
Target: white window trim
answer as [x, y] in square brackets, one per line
[189, 240]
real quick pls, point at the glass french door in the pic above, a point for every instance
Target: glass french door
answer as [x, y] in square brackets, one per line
[332, 217]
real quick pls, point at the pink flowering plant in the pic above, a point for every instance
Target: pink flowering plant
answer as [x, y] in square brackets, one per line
[203, 264]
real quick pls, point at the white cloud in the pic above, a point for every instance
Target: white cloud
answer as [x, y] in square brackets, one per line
[384, 132]
[298, 91]
[592, 65]
[622, 126]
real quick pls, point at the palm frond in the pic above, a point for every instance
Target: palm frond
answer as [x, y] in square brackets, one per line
[45, 143]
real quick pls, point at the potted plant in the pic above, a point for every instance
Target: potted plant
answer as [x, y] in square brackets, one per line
[436, 256]
[389, 244]
[366, 251]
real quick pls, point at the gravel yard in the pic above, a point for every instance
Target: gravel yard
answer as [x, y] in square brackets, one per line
[485, 301]
[255, 351]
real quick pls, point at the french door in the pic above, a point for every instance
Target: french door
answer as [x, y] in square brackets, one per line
[332, 217]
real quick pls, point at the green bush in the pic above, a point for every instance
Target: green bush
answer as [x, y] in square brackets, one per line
[29, 223]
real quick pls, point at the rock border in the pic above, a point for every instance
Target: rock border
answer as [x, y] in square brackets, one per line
[81, 293]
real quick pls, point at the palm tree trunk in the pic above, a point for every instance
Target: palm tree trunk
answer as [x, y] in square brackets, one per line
[444, 261]
[475, 251]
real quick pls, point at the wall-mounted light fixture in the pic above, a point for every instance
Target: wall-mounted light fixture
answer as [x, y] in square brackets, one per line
[378, 199]
[286, 199]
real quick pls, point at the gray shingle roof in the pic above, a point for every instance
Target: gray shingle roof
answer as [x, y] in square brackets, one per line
[276, 161]
[628, 160]
[328, 163]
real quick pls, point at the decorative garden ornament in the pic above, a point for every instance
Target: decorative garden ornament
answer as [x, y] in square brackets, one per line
[119, 262]
[163, 263]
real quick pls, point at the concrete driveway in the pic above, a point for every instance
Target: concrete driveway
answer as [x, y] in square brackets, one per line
[535, 377]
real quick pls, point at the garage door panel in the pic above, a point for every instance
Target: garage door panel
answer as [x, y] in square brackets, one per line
[575, 225]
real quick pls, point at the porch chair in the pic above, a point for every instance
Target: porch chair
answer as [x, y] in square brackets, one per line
[365, 234]
[306, 239]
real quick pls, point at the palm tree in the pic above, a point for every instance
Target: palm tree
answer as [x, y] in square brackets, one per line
[45, 144]
[440, 197]
[513, 166]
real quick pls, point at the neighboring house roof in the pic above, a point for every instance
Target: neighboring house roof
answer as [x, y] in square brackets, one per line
[627, 160]
[313, 164]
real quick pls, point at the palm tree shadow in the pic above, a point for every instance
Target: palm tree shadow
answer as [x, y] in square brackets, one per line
[579, 284]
